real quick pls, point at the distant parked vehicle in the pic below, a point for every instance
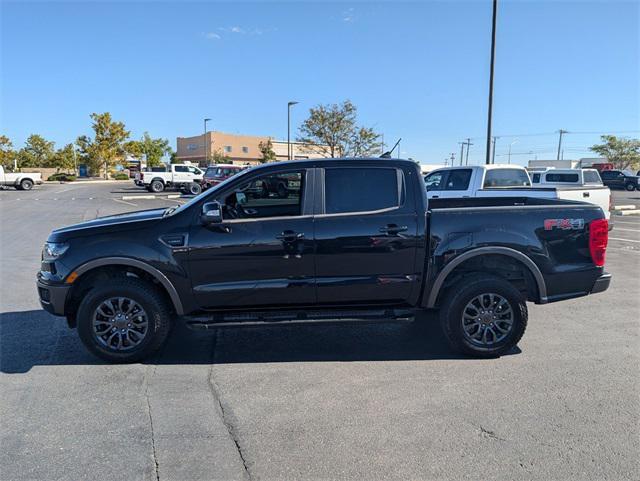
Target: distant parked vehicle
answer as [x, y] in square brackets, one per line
[137, 179]
[508, 181]
[216, 174]
[19, 180]
[574, 177]
[183, 177]
[619, 179]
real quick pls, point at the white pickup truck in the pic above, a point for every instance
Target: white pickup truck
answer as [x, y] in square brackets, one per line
[180, 176]
[19, 180]
[497, 180]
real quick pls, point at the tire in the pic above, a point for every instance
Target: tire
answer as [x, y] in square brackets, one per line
[156, 186]
[193, 188]
[456, 311]
[26, 184]
[630, 187]
[153, 308]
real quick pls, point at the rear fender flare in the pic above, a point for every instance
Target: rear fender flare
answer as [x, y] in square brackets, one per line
[533, 268]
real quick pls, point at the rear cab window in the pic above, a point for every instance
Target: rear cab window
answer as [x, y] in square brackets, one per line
[363, 189]
[506, 178]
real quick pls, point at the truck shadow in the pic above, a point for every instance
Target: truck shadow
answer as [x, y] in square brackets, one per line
[35, 338]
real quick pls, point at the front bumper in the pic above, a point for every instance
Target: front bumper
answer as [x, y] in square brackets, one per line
[52, 297]
[601, 284]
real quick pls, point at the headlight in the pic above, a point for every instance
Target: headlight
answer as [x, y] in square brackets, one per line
[53, 250]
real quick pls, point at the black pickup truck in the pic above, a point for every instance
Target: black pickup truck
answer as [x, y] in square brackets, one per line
[353, 240]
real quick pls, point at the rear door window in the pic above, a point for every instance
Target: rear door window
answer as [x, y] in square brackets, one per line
[458, 179]
[506, 178]
[361, 189]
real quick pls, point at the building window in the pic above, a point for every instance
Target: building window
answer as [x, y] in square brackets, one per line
[192, 147]
[245, 150]
[227, 148]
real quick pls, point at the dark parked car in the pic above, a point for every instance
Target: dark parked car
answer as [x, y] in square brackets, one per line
[354, 239]
[619, 179]
[215, 174]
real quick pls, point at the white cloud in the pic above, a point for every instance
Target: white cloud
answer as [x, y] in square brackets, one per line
[348, 15]
[211, 36]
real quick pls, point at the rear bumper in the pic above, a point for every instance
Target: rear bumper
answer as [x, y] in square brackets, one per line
[601, 284]
[52, 297]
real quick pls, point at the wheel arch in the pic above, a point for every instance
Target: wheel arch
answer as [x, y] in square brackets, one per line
[514, 255]
[130, 265]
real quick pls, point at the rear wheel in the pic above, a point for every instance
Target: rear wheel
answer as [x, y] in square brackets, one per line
[156, 186]
[483, 316]
[26, 184]
[123, 321]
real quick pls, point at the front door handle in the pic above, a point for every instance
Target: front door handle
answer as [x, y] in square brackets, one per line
[393, 229]
[290, 236]
[435, 196]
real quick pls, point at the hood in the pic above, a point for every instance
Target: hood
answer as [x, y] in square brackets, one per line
[129, 220]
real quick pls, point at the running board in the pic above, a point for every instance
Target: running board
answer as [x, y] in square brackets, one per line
[291, 318]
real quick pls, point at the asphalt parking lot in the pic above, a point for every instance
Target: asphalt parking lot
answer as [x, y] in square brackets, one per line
[369, 402]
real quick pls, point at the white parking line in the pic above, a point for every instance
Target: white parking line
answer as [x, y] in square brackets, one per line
[627, 230]
[625, 240]
[125, 202]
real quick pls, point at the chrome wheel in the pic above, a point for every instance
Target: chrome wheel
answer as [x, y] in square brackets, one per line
[487, 319]
[120, 323]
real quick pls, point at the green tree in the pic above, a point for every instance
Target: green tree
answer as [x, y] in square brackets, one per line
[152, 149]
[621, 152]
[7, 154]
[107, 146]
[64, 159]
[219, 157]
[332, 130]
[37, 152]
[266, 149]
[173, 158]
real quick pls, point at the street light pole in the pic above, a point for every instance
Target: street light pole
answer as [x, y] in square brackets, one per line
[514, 142]
[493, 154]
[289, 104]
[561, 132]
[493, 55]
[204, 144]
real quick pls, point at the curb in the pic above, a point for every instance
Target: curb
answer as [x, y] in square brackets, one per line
[627, 212]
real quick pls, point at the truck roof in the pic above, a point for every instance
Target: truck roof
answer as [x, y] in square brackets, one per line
[305, 163]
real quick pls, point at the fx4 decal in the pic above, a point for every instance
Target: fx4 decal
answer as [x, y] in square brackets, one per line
[564, 224]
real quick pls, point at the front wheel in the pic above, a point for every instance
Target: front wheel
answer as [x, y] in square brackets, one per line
[630, 187]
[483, 316]
[123, 321]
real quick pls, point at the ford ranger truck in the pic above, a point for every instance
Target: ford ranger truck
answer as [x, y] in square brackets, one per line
[349, 240]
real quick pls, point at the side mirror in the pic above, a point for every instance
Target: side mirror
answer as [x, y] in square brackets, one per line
[211, 213]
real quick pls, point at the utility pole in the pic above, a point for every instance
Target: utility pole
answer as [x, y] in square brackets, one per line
[469, 144]
[453, 158]
[561, 132]
[461, 151]
[204, 144]
[493, 56]
[289, 105]
[493, 154]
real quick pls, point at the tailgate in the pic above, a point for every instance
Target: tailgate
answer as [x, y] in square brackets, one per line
[597, 195]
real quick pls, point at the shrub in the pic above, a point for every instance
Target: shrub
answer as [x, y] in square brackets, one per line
[62, 177]
[120, 176]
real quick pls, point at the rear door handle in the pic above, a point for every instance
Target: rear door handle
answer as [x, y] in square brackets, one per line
[290, 236]
[393, 229]
[435, 196]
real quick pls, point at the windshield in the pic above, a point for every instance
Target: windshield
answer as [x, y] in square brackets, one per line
[207, 193]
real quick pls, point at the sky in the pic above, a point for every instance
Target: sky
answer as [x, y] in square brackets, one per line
[415, 70]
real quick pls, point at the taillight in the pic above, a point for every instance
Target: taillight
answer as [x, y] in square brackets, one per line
[598, 239]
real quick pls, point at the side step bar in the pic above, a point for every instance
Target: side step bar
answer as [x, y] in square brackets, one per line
[291, 318]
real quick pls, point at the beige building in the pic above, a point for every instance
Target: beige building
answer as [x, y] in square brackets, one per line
[240, 149]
